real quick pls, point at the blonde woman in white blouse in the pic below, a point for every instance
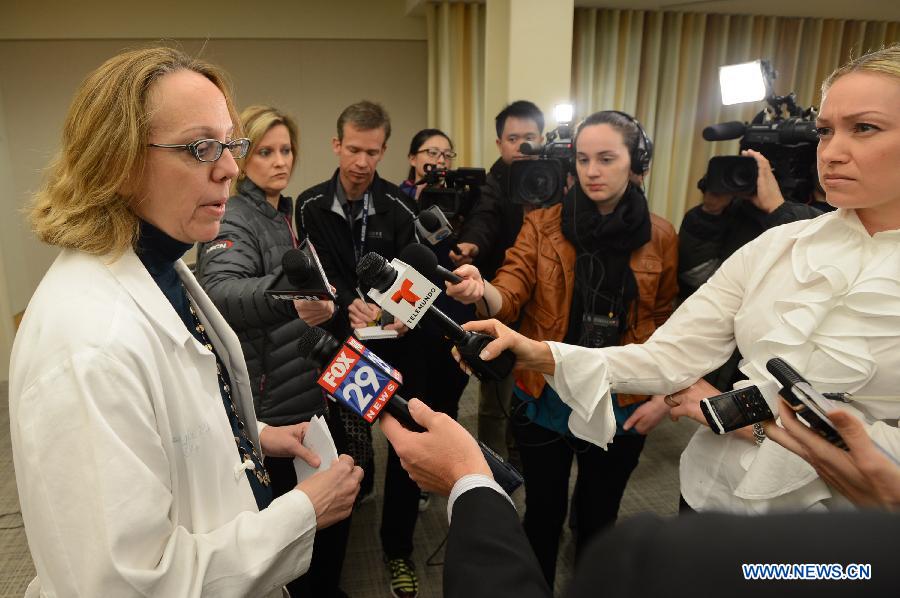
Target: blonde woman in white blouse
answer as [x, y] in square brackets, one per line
[823, 294]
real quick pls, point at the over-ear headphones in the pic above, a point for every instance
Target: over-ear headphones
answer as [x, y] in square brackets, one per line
[642, 152]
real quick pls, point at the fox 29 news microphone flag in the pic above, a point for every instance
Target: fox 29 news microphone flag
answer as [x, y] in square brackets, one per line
[360, 380]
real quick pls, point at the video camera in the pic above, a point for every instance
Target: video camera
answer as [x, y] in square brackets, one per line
[541, 180]
[453, 191]
[783, 132]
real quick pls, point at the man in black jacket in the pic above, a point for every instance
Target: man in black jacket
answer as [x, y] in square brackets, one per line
[354, 213]
[718, 227]
[493, 224]
[491, 228]
[723, 223]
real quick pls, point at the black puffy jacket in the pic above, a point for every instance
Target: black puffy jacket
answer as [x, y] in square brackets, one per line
[235, 269]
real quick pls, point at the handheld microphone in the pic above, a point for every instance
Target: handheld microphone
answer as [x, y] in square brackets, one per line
[361, 381]
[354, 376]
[302, 277]
[433, 225]
[423, 260]
[724, 131]
[807, 402]
[408, 296]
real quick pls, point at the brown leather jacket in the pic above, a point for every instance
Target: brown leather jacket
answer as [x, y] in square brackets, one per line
[538, 276]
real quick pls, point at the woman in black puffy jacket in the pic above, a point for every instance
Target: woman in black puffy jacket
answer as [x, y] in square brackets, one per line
[235, 269]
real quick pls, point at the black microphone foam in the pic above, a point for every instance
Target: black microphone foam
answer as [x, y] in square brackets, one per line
[375, 271]
[423, 260]
[309, 339]
[724, 131]
[784, 373]
[297, 266]
[429, 221]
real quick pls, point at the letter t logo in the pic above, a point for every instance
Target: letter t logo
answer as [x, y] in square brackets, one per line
[405, 293]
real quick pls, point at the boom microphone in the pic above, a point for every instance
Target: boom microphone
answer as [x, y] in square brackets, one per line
[527, 149]
[410, 297]
[723, 131]
[362, 382]
[423, 260]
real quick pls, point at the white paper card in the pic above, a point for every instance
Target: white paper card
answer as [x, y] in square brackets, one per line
[317, 439]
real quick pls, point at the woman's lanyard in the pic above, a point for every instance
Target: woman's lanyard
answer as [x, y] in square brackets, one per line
[360, 248]
[291, 229]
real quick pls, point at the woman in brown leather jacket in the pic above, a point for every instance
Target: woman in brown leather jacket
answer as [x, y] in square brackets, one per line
[596, 270]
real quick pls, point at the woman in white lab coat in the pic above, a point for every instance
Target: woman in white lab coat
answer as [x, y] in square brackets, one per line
[136, 449]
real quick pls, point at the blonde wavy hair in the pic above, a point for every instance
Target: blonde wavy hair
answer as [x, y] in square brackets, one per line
[84, 203]
[885, 61]
[256, 122]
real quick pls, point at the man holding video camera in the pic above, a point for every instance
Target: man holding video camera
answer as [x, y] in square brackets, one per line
[724, 222]
[489, 230]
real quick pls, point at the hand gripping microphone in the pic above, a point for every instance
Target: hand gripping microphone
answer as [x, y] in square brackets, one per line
[362, 382]
[408, 296]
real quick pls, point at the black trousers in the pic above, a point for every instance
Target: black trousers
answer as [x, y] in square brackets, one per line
[330, 545]
[435, 378]
[546, 463]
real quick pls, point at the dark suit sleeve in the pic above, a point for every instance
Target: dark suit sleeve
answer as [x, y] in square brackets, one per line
[702, 555]
[488, 555]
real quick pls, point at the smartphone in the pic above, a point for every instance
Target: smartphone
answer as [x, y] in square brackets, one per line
[735, 409]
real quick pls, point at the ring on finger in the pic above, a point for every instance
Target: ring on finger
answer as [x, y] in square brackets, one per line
[671, 402]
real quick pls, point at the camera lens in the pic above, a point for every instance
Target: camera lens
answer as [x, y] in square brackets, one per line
[536, 181]
[743, 176]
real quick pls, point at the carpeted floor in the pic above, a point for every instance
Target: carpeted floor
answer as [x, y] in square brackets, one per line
[653, 487]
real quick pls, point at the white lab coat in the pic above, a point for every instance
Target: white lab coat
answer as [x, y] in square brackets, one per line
[128, 474]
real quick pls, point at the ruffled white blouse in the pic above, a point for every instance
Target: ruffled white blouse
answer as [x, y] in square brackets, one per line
[822, 294]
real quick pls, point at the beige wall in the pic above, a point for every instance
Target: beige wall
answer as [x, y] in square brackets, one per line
[273, 19]
[311, 61]
[520, 65]
[9, 238]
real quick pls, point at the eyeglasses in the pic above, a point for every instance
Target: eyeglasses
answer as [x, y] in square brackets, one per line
[209, 150]
[435, 153]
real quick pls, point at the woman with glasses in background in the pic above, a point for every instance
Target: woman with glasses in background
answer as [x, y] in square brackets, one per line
[138, 455]
[428, 147]
[236, 268]
[432, 373]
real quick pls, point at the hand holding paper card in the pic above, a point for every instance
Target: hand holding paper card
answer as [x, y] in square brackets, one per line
[317, 439]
